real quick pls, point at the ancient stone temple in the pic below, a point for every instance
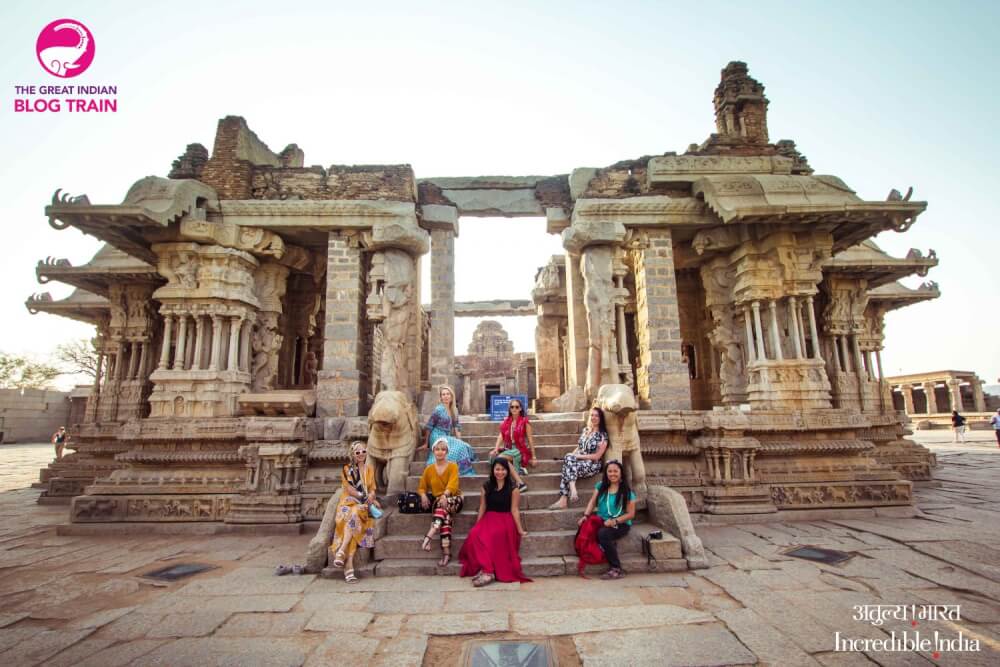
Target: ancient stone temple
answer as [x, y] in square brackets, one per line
[254, 315]
[492, 367]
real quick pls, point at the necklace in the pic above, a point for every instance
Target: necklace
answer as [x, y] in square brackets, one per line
[607, 504]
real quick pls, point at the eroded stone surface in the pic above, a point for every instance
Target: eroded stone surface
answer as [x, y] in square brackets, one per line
[703, 645]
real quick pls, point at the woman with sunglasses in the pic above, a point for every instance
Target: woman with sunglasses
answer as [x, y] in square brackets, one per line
[515, 442]
[354, 525]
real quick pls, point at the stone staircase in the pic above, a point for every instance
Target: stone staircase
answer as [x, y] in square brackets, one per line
[548, 548]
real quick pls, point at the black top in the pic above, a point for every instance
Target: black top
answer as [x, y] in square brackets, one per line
[957, 420]
[499, 501]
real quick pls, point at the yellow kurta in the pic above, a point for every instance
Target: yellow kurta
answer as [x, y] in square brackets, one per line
[353, 527]
[438, 484]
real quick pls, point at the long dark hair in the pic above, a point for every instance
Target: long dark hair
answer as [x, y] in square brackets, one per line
[601, 426]
[624, 490]
[491, 483]
[511, 414]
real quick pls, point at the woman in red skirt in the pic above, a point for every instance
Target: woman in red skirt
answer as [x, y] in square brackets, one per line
[490, 551]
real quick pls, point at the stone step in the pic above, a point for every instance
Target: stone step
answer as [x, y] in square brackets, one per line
[553, 566]
[533, 520]
[564, 439]
[544, 543]
[483, 466]
[538, 426]
[542, 481]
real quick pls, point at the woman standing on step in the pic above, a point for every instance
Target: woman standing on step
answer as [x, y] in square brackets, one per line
[614, 503]
[443, 423]
[585, 460]
[441, 479]
[491, 550]
[354, 526]
[513, 442]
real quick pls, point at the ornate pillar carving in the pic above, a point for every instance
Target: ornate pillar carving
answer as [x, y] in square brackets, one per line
[442, 335]
[213, 359]
[931, 397]
[199, 341]
[775, 338]
[813, 331]
[907, 391]
[955, 394]
[758, 331]
[180, 353]
[235, 323]
[165, 347]
[793, 322]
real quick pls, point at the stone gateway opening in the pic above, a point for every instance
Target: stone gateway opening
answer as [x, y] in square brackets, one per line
[254, 317]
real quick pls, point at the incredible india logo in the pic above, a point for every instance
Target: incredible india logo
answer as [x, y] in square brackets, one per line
[65, 49]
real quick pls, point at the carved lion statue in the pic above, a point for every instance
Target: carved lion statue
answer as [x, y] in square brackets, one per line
[619, 406]
[393, 432]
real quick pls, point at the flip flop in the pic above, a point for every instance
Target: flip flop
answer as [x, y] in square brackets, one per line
[282, 570]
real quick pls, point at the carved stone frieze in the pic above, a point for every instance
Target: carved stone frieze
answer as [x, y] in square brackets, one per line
[254, 240]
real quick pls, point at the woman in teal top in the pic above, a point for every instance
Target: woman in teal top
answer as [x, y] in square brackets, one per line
[614, 502]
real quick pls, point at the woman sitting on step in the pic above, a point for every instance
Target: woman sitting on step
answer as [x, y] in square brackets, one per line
[585, 460]
[354, 526]
[443, 423]
[614, 503]
[441, 479]
[490, 552]
[515, 438]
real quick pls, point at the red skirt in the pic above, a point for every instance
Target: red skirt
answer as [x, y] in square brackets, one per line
[492, 547]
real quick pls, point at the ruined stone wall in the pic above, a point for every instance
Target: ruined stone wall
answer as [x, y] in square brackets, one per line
[230, 170]
[386, 182]
[623, 179]
[32, 415]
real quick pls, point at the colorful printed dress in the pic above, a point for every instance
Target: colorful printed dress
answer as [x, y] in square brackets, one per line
[441, 426]
[574, 468]
[353, 527]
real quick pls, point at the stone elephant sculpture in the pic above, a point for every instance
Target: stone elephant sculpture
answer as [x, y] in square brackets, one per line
[619, 406]
[393, 434]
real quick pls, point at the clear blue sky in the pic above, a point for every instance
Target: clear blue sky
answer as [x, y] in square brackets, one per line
[883, 94]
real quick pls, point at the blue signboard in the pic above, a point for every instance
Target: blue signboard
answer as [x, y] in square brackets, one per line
[499, 403]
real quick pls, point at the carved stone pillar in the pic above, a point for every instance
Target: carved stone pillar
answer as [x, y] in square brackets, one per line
[844, 354]
[245, 332]
[143, 361]
[931, 401]
[165, 349]
[599, 297]
[199, 341]
[955, 394]
[775, 338]
[339, 386]
[977, 395]
[758, 331]
[663, 381]
[180, 352]
[750, 345]
[624, 363]
[234, 342]
[907, 391]
[576, 331]
[813, 331]
[547, 359]
[213, 360]
[442, 336]
[133, 360]
[793, 322]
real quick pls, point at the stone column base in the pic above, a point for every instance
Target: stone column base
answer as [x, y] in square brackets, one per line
[796, 384]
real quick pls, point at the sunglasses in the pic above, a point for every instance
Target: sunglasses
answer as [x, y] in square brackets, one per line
[515, 407]
[361, 451]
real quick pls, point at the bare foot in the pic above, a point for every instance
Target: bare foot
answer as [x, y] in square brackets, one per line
[559, 504]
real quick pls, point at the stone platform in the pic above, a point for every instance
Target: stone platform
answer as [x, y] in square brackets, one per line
[82, 600]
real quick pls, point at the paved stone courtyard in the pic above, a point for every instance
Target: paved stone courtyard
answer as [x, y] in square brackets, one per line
[80, 600]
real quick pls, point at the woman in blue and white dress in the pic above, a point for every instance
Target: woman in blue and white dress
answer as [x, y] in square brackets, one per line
[443, 423]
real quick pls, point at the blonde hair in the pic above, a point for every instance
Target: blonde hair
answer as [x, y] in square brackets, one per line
[453, 408]
[441, 441]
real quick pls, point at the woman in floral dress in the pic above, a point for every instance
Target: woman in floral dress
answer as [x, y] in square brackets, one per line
[585, 460]
[354, 526]
[443, 423]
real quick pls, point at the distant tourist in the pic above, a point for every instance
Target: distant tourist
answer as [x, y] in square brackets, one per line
[354, 523]
[440, 478]
[995, 423]
[585, 460]
[958, 424]
[490, 552]
[443, 423]
[59, 440]
[517, 442]
[614, 504]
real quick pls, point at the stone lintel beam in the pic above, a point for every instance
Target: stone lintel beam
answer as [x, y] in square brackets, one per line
[439, 216]
[645, 211]
[589, 233]
[689, 168]
[496, 308]
[322, 215]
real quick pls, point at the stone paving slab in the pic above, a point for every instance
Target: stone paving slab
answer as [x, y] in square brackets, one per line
[694, 646]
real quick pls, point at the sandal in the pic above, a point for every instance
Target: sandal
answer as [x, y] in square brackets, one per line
[349, 577]
[522, 487]
[486, 580]
[479, 580]
[613, 573]
[282, 570]
[338, 559]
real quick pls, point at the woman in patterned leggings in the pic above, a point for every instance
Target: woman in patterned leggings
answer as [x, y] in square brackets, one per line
[585, 460]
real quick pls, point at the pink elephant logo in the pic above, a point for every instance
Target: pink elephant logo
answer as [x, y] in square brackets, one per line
[65, 48]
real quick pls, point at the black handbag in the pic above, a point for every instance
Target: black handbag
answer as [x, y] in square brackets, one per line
[409, 503]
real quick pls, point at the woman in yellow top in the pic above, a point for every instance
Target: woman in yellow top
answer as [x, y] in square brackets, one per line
[354, 525]
[441, 479]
